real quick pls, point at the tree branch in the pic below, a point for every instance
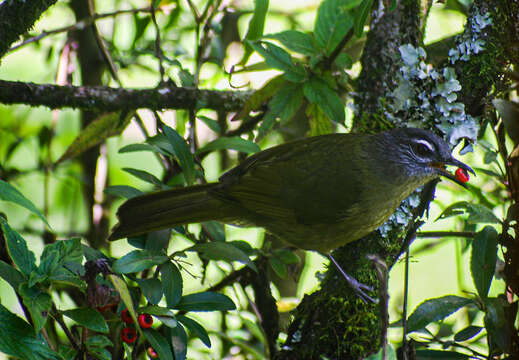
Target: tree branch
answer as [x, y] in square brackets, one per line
[104, 98]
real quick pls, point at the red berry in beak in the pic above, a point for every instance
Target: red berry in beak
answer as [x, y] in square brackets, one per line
[462, 175]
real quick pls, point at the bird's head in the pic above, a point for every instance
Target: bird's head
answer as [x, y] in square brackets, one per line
[424, 154]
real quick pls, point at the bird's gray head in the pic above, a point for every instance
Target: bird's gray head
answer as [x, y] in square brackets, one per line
[423, 153]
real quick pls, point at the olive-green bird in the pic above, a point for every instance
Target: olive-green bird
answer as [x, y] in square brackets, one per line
[317, 193]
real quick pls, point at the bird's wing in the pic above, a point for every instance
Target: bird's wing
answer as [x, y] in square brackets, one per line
[305, 181]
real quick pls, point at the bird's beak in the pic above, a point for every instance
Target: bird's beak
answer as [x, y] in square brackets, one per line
[452, 161]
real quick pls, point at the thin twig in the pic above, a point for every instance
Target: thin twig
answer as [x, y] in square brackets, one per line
[437, 234]
[158, 46]
[78, 25]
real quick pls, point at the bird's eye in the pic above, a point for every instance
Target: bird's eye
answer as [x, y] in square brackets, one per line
[422, 149]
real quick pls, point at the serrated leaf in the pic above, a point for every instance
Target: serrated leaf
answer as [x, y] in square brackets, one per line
[89, 318]
[151, 289]
[17, 339]
[159, 343]
[219, 250]
[182, 153]
[333, 23]
[136, 261]
[196, 329]
[361, 14]
[22, 257]
[38, 303]
[234, 143]
[483, 259]
[297, 41]
[11, 194]
[179, 342]
[122, 191]
[171, 283]
[205, 301]
[319, 92]
[435, 309]
[467, 333]
[256, 26]
[105, 126]
[280, 59]
[477, 213]
[11, 275]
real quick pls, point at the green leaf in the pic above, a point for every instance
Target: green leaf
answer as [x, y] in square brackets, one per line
[390, 354]
[256, 26]
[235, 143]
[333, 23]
[179, 342]
[182, 153]
[205, 301]
[136, 261]
[496, 323]
[361, 15]
[218, 250]
[159, 344]
[10, 193]
[138, 147]
[156, 310]
[483, 259]
[22, 257]
[284, 105]
[260, 96]
[171, 283]
[435, 309]
[17, 339]
[211, 124]
[320, 124]
[297, 41]
[509, 112]
[440, 354]
[196, 329]
[100, 341]
[88, 318]
[280, 59]
[215, 229]
[287, 256]
[121, 287]
[105, 126]
[158, 241]
[144, 176]
[54, 257]
[319, 92]
[122, 191]
[467, 333]
[477, 213]
[38, 303]
[11, 275]
[279, 267]
[151, 289]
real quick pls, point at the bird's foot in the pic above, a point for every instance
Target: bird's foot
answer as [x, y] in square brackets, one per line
[359, 288]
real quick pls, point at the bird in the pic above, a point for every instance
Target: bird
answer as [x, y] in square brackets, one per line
[316, 193]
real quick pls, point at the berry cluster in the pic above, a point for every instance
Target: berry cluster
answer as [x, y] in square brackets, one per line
[128, 333]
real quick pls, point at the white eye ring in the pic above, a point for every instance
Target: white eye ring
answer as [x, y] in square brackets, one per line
[422, 148]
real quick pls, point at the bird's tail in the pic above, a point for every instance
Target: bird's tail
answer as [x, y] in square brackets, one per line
[168, 208]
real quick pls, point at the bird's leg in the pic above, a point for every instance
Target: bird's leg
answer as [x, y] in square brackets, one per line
[354, 283]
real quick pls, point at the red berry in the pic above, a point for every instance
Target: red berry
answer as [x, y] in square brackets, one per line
[128, 335]
[462, 175]
[151, 353]
[126, 317]
[145, 321]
